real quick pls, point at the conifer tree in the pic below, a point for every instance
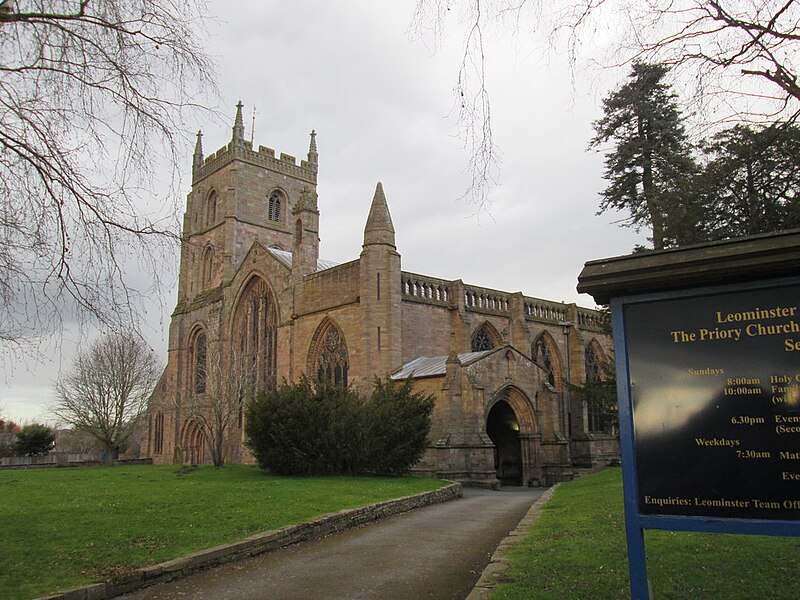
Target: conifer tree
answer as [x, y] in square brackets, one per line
[651, 160]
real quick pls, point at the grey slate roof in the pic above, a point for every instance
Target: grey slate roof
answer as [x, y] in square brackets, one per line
[286, 258]
[432, 366]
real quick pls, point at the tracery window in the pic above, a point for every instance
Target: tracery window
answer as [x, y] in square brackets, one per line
[255, 332]
[592, 364]
[276, 200]
[542, 357]
[485, 338]
[200, 351]
[328, 360]
[599, 418]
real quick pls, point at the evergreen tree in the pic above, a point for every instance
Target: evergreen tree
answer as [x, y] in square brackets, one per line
[34, 440]
[749, 185]
[649, 166]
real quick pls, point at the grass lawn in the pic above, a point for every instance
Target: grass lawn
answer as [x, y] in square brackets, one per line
[65, 527]
[576, 551]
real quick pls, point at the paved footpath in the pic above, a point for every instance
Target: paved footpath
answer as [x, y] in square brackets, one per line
[433, 553]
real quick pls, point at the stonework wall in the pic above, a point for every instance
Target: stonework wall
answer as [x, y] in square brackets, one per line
[385, 317]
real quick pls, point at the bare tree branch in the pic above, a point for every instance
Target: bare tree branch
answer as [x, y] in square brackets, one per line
[93, 102]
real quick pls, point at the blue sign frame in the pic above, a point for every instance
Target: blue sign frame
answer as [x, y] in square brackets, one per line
[636, 522]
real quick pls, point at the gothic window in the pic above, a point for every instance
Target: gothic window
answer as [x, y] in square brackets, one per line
[328, 360]
[255, 332]
[276, 201]
[158, 434]
[599, 419]
[544, 356]
[592, 364]
[200, 359]
[208, 265]
[485, 338]
[211, 209]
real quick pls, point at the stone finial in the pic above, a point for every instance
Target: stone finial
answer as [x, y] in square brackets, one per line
[238, 125]
[313, 156]
[379, 228]
[197, 159]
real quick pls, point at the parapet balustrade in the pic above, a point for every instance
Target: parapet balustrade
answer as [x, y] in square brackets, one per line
[482, 299]
[425, 289]
[592, 319]
[542, 310]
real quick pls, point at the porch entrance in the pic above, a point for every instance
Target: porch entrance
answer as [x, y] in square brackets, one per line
[502, 428]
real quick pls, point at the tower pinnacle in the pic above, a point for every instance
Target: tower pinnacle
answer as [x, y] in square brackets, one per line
[379, 228]
[238, 125]
[313, 157]
[197, 159]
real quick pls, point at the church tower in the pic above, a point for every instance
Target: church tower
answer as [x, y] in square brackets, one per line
[241, 195]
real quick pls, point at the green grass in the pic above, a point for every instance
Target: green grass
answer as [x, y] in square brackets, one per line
[576, 551]
[60, 528]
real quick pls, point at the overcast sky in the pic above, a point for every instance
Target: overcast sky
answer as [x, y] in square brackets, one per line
[380, 103]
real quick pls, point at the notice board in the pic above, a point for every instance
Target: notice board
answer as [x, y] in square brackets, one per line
[714, 383]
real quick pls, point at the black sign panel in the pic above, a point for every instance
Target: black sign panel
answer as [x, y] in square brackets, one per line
[715, 389]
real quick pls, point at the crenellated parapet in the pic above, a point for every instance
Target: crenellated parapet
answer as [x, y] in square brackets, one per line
[285, 164]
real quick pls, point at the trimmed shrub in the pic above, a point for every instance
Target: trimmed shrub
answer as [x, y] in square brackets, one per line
[399, 423]
[302, 429]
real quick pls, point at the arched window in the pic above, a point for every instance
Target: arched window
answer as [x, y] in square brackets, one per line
[208, 266]
[485, 337]
[545, 354]
[327, 358]
[211, 209]
[255, 335]
[599, 416]
[591, 364]
[276, 202]
[199, 362]
[158, 433]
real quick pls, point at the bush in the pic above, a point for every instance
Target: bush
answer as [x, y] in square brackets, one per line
[302, 429]
[34, 440]
[399, 423]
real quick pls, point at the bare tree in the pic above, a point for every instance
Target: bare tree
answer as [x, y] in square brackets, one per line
[105, 392]
[93, 100]
[220, 406]
[740, 55]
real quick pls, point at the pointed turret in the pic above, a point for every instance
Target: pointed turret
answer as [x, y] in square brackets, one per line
[313, 157]
[379, 228]
[238, 125]
[197, 159]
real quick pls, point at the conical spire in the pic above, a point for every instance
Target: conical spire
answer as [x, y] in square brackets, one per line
[238, 125]
[379, 228]
[313, 157]
[197, 159]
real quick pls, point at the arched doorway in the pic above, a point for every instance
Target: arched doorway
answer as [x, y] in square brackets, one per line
[502, 427]
[193, 444]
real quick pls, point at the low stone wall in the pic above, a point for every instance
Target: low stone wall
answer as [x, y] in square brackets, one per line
[256, 544]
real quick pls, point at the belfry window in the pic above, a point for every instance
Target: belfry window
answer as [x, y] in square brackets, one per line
[276, 200]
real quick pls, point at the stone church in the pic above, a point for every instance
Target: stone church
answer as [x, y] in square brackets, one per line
[254, 291]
